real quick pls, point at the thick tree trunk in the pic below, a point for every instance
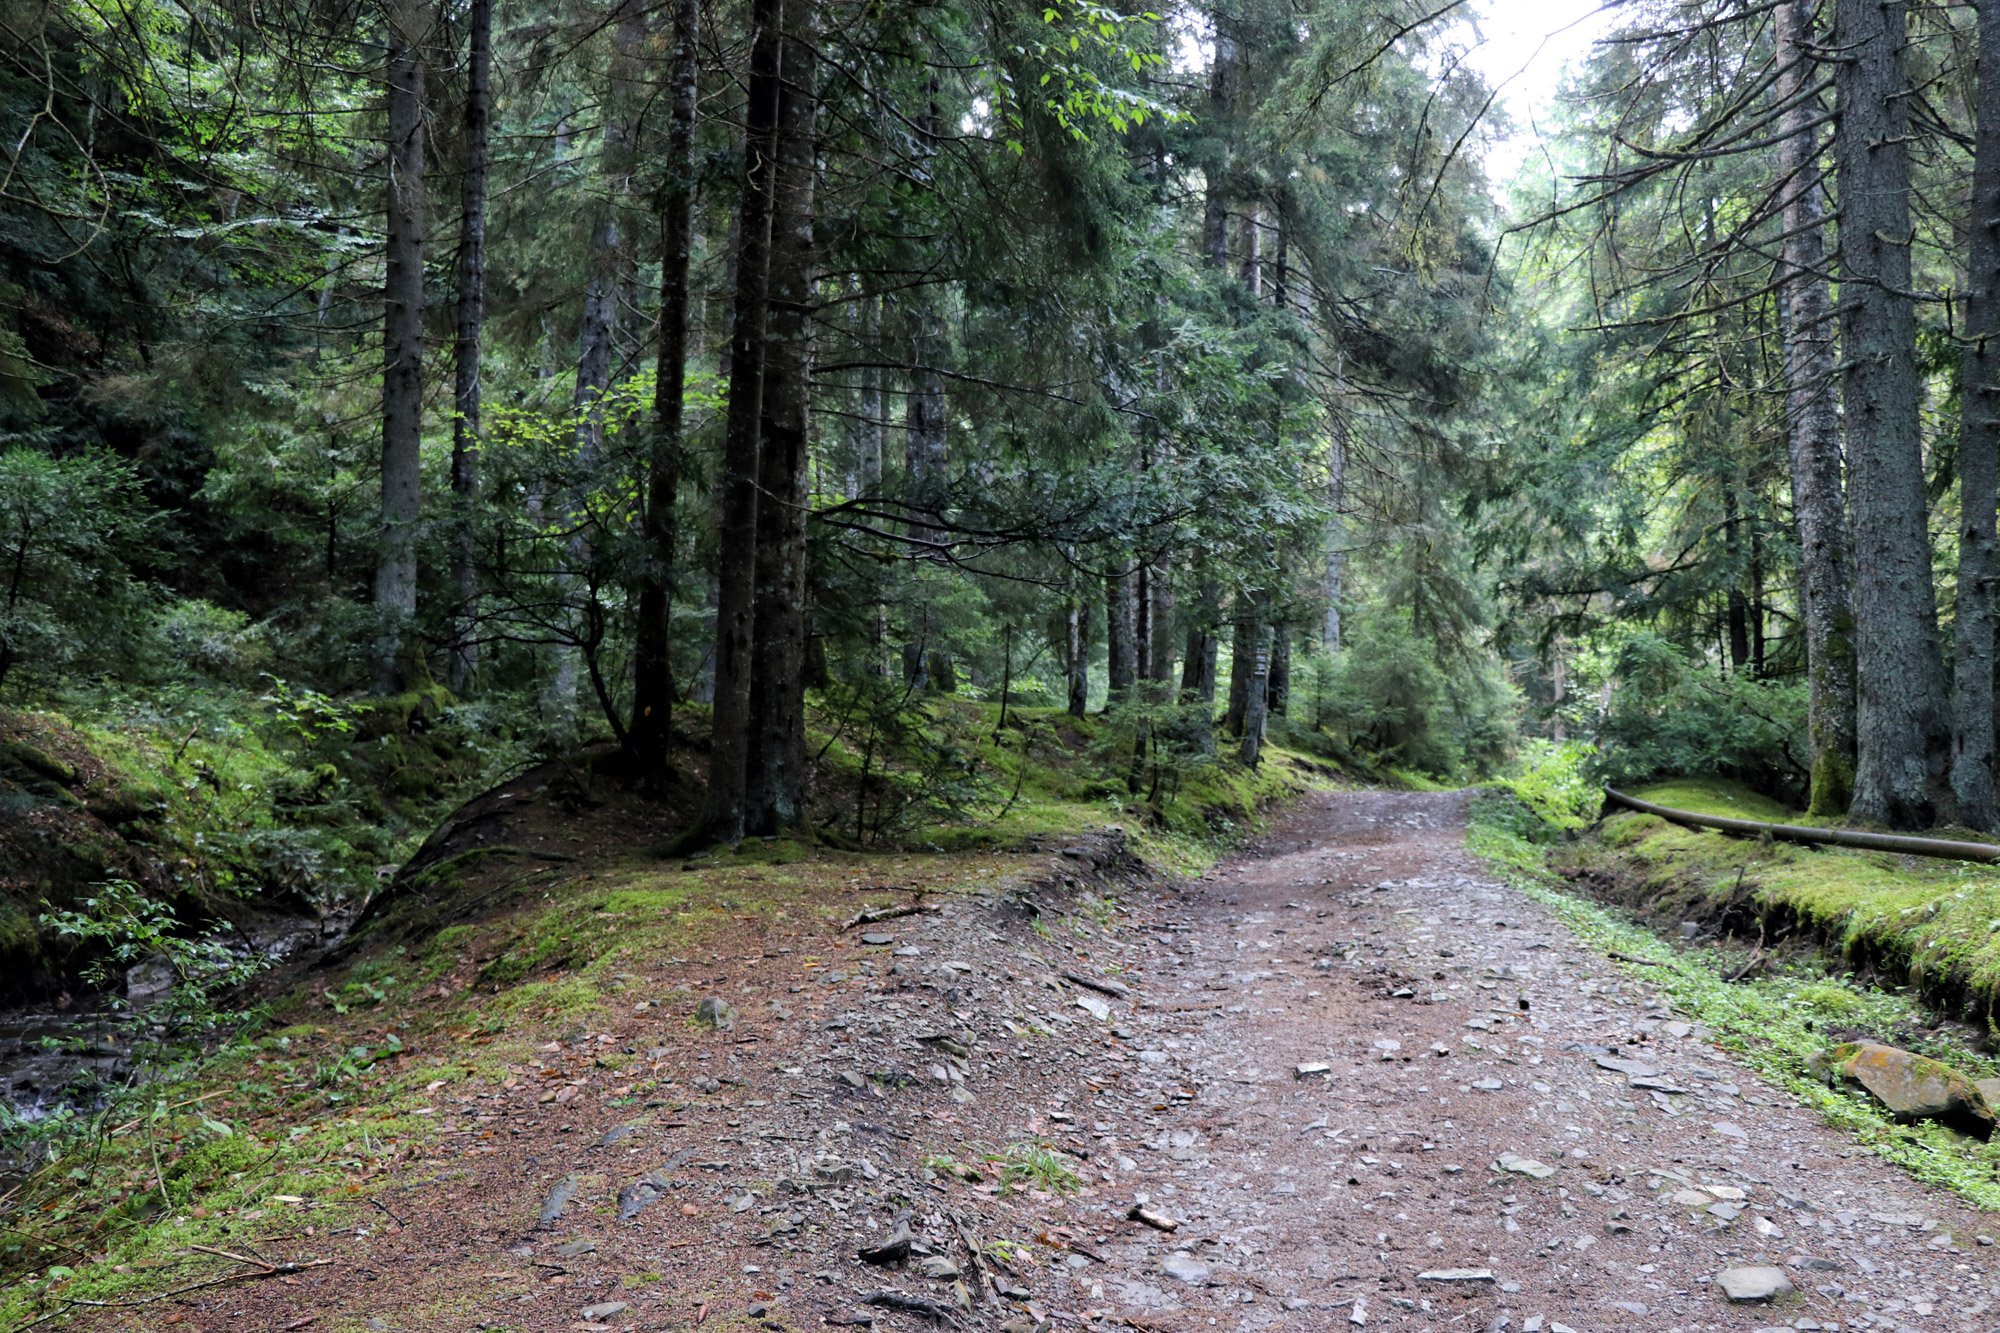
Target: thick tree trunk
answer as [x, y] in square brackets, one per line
[775, 779]
[1121, 648]
[1978, 441]
[1903, 739]
[737, 500]
[471, 322]
[1255, 692]
[652, 665]
[1819, 504]
[402, 354]
[1246, 643]
[1280, 693]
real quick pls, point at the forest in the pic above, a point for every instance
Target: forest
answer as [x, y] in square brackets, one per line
[526, 525]
[729, 401]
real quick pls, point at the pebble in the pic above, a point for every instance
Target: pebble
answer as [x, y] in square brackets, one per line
[715, 1012]
[1747, 1285]
[876, 937]
[1526, 1166]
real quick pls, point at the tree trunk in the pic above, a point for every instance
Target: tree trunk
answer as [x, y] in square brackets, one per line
[1251, 246]
[652, 665]
[775, 778]
[1978, 441]
[866, 433]
[1336, 528]
[402, 353]
[925, 435]
[1256, 685]
[1160, 620]
[737, 506]
[1738, 604]
[1819, 503]
[1903, 740]
[1246, 644]
[1076, 656]
[1221, 103]
[464, 660]
[1121, 650]
[1280, 694]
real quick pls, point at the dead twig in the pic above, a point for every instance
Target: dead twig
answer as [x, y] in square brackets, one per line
[1139, 1212]
[1117, 990]
[1634, 958]
[869, 916]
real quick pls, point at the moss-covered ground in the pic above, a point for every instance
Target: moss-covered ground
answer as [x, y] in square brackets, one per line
[344, 1078]
[1618, 885]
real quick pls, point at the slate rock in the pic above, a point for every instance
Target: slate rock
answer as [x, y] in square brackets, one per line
[1456, 1275]
[576, 1249]
[1191, 1271]
[1629, 1068]
[891, 1251]
[714, 1012]
[557, 1200]
[1747, 1286]
[877, 937]
[939, 1266]
[1913, 1087]
[1525, 1166]
[603, 1310]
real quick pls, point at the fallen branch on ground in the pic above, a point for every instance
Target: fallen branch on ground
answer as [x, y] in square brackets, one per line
[872, 915]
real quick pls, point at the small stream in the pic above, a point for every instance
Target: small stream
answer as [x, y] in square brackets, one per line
[55, 1055]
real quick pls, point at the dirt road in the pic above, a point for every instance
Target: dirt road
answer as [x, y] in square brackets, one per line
[1373, 1087]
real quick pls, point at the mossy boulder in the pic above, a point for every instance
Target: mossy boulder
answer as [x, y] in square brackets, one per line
[26, 761]
[1913, 1087]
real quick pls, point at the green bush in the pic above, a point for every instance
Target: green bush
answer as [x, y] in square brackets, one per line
[1671, 715]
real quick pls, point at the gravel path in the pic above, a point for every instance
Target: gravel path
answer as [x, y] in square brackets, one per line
[1348, 1060]
[1464, 1028]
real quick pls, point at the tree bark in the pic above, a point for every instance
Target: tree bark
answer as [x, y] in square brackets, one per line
[1076, 656]
[1160, 620]
[652, 666]
[1336, 529]
[471, 320]
[1738, 604]
[775, 778]
[1247, 642]
[1819, 504]
[1121, 649]
[402, 352]
[925, 435]
[1255, 694]
[1903, 738]
[1978, 444]
[737, 500]
[1280, 693]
